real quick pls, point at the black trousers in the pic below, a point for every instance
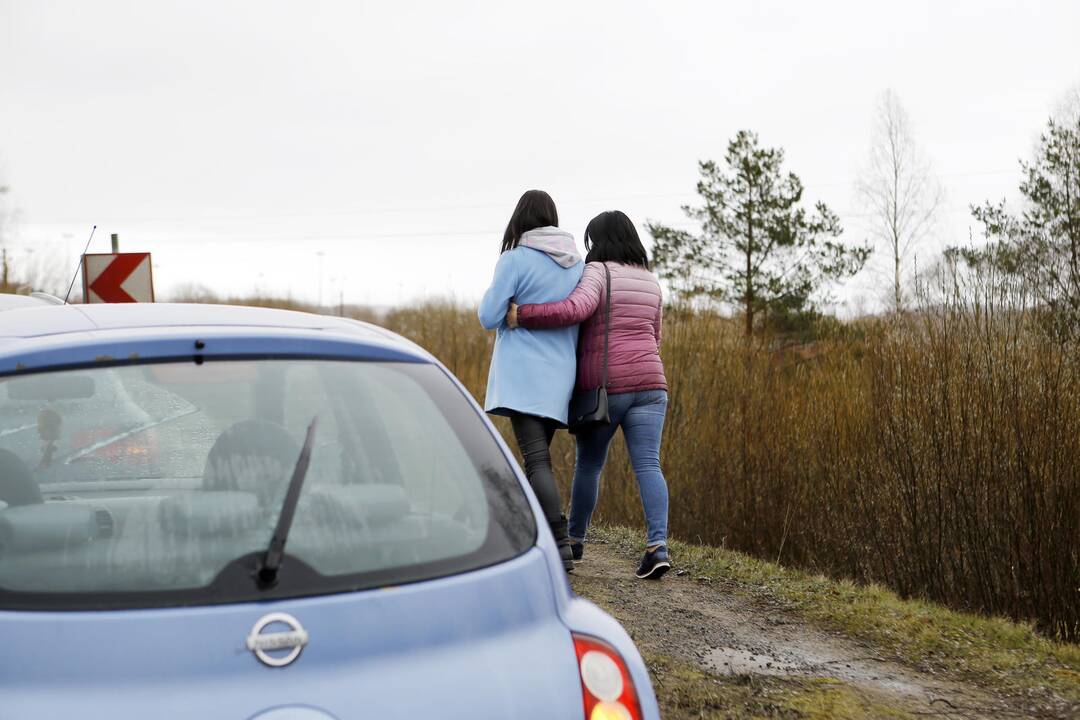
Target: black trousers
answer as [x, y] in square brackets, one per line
[534, 436]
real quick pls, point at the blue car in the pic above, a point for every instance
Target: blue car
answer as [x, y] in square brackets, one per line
[225, 512]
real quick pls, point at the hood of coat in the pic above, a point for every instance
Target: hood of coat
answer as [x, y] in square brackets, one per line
[558, 244]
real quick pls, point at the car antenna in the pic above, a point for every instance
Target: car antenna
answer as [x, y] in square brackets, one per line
[79, 265]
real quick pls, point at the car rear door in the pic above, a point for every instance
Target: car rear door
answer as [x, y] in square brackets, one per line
[412, 585]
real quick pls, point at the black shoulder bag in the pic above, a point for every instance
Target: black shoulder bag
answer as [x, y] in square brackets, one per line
[589, 408]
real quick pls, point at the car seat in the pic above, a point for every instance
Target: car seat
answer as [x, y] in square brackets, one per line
[17, 486]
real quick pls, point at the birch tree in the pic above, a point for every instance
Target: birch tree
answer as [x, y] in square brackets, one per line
[898, 193]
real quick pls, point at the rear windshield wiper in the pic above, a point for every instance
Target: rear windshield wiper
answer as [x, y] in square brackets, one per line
[267, 571]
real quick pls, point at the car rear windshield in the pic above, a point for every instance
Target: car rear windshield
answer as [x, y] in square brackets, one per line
[161, 484]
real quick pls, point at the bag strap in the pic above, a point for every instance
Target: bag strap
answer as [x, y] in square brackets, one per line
[607, 324]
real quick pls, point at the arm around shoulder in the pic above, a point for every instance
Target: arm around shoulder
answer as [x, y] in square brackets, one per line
[578, 306]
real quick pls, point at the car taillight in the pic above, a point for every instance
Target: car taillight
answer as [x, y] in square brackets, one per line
[605, 681]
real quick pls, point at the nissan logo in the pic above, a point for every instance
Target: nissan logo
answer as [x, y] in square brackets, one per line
[263, 642]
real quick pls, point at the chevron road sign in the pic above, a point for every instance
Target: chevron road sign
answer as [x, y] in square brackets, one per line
[117, 278]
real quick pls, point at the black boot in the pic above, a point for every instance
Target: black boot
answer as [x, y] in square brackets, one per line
[562, 541]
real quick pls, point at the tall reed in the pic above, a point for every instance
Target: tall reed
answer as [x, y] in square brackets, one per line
[937, 453]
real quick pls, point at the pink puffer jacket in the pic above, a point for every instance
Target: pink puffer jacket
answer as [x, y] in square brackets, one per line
[636, 309]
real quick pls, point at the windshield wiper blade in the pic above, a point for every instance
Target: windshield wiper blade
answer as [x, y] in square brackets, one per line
[267, 571]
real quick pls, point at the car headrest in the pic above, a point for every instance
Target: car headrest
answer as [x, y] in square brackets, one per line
[17, 486]
[251, 456]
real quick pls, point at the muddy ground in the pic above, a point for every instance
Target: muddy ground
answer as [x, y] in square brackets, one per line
[729, 637]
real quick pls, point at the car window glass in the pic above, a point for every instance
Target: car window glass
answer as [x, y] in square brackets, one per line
[170, 473]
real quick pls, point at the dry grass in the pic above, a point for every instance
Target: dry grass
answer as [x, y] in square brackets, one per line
[936, 454]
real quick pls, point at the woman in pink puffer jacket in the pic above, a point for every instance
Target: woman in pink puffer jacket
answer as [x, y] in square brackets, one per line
[637, 388]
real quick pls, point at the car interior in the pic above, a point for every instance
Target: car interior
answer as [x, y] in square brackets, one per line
[159, 476]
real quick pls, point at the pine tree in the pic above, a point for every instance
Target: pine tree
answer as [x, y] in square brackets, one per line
[1041, 245]
[759, 248]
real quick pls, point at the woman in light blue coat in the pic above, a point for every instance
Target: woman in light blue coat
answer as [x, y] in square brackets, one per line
[533, 371]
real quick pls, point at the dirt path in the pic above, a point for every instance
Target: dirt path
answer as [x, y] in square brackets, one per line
[725, 635]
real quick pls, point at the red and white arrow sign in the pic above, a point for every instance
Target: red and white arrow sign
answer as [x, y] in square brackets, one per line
[117, 278]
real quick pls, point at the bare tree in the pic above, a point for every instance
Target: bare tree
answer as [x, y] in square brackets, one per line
[1067, 111]
[897, 191]
[5, 229]
[5, 210]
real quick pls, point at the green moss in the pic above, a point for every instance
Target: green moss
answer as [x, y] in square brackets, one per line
[686, 692]
[988, 651]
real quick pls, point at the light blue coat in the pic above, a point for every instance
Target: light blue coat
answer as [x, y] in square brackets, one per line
[532, 371]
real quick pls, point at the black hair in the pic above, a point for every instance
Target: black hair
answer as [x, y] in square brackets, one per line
[611, 236]
[534, 210]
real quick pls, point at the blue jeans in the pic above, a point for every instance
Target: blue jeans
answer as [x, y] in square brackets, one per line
[641, 417]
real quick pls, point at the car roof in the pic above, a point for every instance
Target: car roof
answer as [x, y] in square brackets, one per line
[46, 336]
[9, 301]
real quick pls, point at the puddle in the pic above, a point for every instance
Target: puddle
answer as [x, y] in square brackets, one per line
[738, 661]
[733, 661]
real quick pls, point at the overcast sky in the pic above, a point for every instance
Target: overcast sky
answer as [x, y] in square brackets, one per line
[238, 140]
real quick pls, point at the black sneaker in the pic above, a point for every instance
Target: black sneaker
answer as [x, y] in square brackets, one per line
[578, 550]
[654, 564]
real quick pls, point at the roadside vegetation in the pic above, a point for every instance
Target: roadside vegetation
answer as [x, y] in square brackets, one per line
[933, 449]
[934, 453]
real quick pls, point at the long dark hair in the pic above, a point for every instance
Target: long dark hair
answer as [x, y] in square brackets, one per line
[611, 236]
[535, 209]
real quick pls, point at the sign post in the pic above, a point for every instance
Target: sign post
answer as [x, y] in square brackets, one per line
[117, 278]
